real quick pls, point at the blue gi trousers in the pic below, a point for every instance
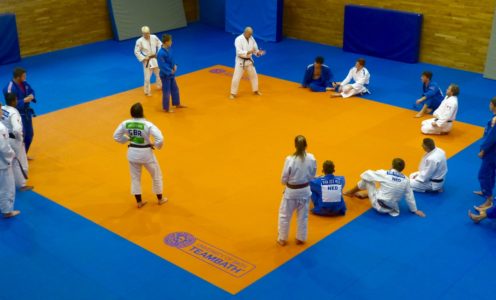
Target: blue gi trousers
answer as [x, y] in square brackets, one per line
[317, 86]
[487, 175]
[27, 128]
[169, 88]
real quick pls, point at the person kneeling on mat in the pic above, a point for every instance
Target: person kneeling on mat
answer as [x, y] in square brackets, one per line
[318, 77]
[444, 115]
[327, 192]
[432, 169]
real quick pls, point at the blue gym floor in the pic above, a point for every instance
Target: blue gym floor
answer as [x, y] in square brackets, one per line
[50, 252]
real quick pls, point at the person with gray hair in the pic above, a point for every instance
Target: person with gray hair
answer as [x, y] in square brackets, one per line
[432, 169]
[246, 47]
[444, 115]
[146, 49]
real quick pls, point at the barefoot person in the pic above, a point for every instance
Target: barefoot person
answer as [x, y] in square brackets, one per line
[444, 115]
[318, 76]
[298, 170]
[432, 170]
[7, 184]
[137, 132]
[168, 69]
[431, 95]
[246, 47]
[393, 187]
[487, 171]
[146, 50]
[489, 213]
[361, 77]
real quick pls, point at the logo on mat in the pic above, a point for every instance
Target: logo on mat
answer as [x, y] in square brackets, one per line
[209, 254]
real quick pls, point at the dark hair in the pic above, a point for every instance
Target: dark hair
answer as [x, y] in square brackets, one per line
[137, 111]
[166, 37]
[10, 99]
[328, 167]
[319, 59]
[427, 74]
[493, 101]
[455, 89]
[429, 144]
[361, 61]
[301, 146]
[18, 72]
[398, 164]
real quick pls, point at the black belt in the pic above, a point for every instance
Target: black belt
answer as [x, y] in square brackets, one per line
[245, 59]
[449, 121]
[139, 146]
[297, 186]
[437, 180]
[383, 204]
[12, 136]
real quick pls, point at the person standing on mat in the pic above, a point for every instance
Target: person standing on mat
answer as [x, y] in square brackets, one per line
[137, 132]
[246, 47]
[327, 192]
[146, 49]
[7, 184]
[393, 187]
[12, 121]
[432, 170]
[431, 95]
[168, 69]
[487, 171]
[444, 115]
[318, 77]
[25, 96]
[298, 170]
[361, 77]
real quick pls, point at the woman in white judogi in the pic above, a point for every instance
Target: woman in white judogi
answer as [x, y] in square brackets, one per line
[246, 47]
[361, 77]
[299, 169]
[432, 169]
[137, 132]
[444, 115]
[146, 49]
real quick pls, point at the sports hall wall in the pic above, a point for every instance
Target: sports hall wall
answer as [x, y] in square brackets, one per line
[47, 25]
[455, 33]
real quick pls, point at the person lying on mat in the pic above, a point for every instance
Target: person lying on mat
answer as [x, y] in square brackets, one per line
[327, 192]
[431, 95]
[361, 77]
[318, 77]
[444, 115]
[432, 170]
[393, 187]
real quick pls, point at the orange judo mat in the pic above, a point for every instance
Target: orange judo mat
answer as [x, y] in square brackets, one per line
[221, 162]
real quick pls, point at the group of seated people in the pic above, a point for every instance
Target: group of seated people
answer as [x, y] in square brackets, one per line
[327, 190]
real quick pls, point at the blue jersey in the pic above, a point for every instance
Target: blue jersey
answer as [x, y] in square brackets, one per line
[325, 76]
[433, 93]
[489, 143]
[166, 62]
[14, 87]
[327, 195]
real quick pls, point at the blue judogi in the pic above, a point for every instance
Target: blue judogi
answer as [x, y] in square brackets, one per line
[327, 195]
[491, 213]
[320, 84]
[166, 64]
[24, 108]
[433, 94]
[487, 171]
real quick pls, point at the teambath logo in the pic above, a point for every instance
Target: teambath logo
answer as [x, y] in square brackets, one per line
[209, 254]
[224, 72]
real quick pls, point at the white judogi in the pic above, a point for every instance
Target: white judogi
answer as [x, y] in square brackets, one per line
[12, 121]
[137, 132]
[361, 79]
[143, 49]
[432, 171]
[7, 184]
[394, 186]
[296, 172]
[444, 116]
[244, 61]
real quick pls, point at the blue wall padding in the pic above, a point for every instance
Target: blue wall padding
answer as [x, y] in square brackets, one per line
[9, 43]
[213, 13]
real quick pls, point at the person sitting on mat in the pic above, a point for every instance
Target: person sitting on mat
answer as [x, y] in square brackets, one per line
[444, 115]
[432, 170]
[431, 95]
[318, 77]
[360, 76]
[327, 192]
[393, 187]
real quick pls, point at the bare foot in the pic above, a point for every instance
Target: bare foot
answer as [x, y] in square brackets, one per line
[361, 195]
[349, 194]
[232, 96]
[419, 115]
[142, 203]
[11, 214]
[281, 243]
[335, 95]
[298, 242]
[485, 205]
[478, 193]
[476, 218]
[257, 93]
[162, 201]
[30, 158]
[169, 111]
[26, 188]
[330, 89]
[180, 106]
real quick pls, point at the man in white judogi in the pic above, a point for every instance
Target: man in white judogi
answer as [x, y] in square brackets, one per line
[393, 187]
[146, 50]
[361, 77]
[137, 132]
[12, 121]
[7, 184]
[444, 115]
[432, 169]
[246, 47]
